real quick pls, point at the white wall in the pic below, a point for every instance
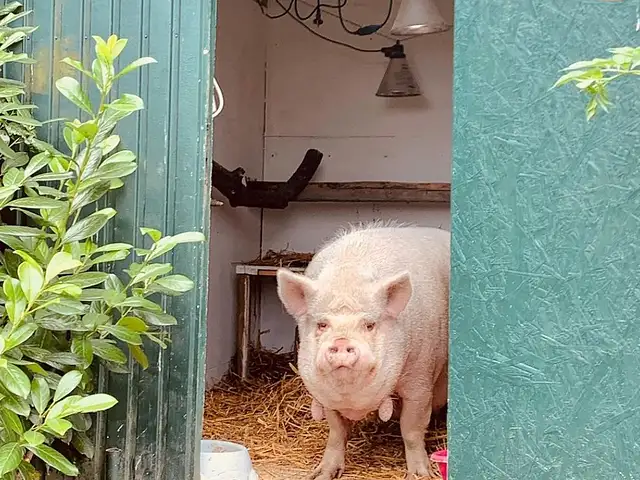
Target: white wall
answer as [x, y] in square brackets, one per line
[322, 96]
[318, 95]
[238, 140]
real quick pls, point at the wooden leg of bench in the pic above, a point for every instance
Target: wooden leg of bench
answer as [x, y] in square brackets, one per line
[243, 325]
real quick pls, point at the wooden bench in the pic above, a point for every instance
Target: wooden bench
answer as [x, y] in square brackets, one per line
[249, 277]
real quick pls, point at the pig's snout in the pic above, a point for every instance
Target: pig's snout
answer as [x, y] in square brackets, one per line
[342, 353]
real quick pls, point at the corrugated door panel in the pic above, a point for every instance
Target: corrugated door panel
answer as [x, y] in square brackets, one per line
[154, 432]
[544, 313]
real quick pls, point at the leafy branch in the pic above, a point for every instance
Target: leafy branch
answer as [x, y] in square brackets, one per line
[594, 76]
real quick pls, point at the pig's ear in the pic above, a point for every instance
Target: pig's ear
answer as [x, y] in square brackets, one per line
[395, 293]
[294, 291]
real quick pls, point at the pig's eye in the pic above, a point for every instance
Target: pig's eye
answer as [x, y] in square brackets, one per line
[322, 326]
[370, 326]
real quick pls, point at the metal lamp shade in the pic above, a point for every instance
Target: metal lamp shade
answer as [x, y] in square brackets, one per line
[418, 17]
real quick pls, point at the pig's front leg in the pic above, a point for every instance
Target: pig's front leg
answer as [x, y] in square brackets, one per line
[332, 464]
[414, 420]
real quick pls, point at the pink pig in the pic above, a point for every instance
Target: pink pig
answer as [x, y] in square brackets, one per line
[372, 312]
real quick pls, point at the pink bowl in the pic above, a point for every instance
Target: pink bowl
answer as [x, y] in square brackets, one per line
[441, 457]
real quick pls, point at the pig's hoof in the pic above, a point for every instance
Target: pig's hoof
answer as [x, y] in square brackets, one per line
[418, 466]
[327, 471]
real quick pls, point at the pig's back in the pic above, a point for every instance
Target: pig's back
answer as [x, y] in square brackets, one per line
[376, 252]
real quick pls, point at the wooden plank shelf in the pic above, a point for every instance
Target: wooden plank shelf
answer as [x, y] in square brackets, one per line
[371, 192]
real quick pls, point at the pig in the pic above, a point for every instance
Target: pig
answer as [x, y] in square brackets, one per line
[385, 410]
[372, 311]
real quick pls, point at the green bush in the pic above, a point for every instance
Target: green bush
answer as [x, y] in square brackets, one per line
[61, 311]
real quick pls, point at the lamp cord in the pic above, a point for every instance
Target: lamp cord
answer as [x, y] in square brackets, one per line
[366, 30]
[287, 10]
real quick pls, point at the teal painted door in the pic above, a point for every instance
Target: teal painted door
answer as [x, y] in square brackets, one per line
[546, 221]
[154, 432]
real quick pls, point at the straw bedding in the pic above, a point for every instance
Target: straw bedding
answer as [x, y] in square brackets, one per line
[271, 415]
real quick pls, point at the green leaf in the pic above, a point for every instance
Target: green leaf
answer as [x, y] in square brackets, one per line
[11, 421]
[26, 121]
[53, 177]
[114, 247]
[139, 302]
[106, 350]
[15, 380]
[20, 231]
[68, 383]
[157, 319]
[95, 320]
[123, 156]
[127, 104]
[7, 192]
[43, 203]
[139, 355]
[37, 163]
[10, 456]
[175, 283]
[60, 262]
[88, 130]
[58, 426]
[110, 257]
[65, 358]
[71, 88]
[135, 64]
[89, 226]
[77, 65]
[125, 334]
[151, 271]
[95, 403]
[33, 438]
[96, 294]
[11, 289]
[83, 349]
[31, 280]
[40, 394]
[20, 335]
[133, 323]
[17, 405]
[28, 258]
[115, 170]
[13, 178]
[87, 279]
[109, 144]
[2, 345]
[189, 237]
[66, 288]
[54, 459]
[63, 408]
[152, 232]
[82, 422]
[83, 444]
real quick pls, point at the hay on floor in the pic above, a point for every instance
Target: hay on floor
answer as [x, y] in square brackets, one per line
[271, 415]
[283, 258]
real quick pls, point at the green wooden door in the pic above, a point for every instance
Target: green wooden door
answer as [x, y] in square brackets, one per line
[154, 432]
[546, 221]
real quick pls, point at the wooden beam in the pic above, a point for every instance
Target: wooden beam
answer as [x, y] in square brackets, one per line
[371, 192]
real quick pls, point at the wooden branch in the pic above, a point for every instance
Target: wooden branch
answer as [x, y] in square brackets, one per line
[254, 194]
[371, 192]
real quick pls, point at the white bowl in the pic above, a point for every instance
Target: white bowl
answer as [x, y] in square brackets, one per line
[225, 461]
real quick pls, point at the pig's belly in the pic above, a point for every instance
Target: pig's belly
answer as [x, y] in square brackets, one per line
[353, 415]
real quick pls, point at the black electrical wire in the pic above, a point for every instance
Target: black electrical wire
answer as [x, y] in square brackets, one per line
[317, 8]
[366, 30]
[287, 11]
[330, 40]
